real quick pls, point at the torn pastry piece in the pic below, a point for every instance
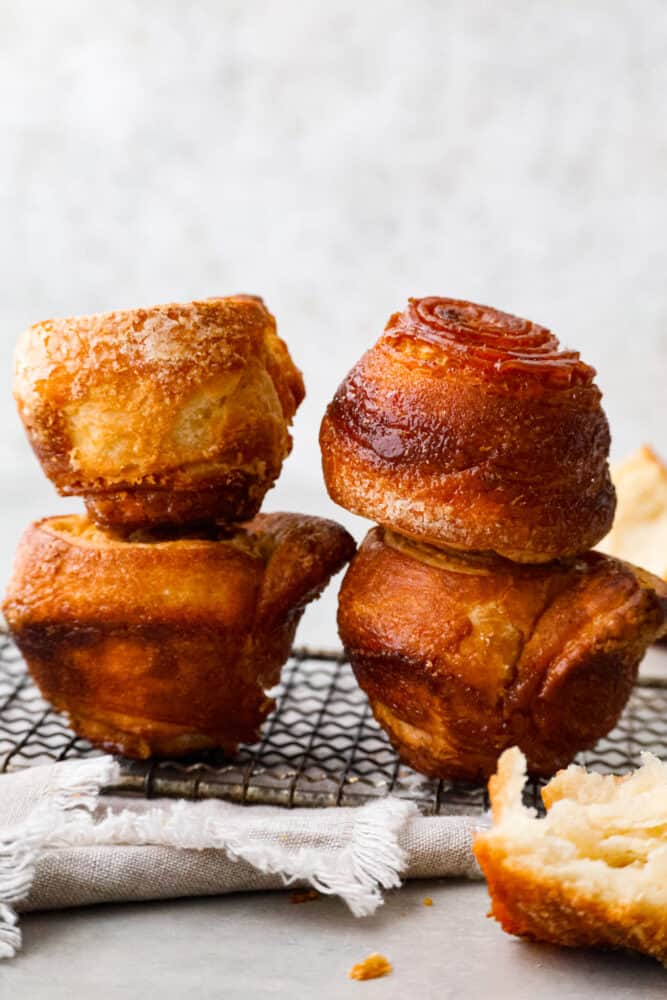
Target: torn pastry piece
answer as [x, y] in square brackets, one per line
[176, 414]
[467, 428]
[640, 527]
[461, 658]
[593, 872]
[166, 646]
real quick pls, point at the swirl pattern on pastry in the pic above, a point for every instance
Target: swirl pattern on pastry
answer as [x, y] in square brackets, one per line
[467, 428]
[483, 337]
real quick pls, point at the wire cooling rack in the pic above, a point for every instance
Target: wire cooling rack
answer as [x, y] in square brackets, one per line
[321, 747]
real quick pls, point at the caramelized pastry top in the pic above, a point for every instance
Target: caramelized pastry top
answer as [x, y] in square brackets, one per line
[467, 428]
[176, 399]
[479, 337]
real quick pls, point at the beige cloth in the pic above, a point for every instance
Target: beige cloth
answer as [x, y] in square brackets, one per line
[61, 845]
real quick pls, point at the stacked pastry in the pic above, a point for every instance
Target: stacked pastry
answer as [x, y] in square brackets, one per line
[159, 620]
[475, 615]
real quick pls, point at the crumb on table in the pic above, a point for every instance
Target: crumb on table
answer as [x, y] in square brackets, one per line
[371, 968]
[427, 901]
[304, 896]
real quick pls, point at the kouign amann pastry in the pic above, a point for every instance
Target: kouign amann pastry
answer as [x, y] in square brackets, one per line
[468, 428]
[640, 526]
[175, 414]
[461, 658]
[159, 645]
[593, 871]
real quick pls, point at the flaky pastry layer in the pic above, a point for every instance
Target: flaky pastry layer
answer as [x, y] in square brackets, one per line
[173, 414]
[469, 428]
[461, 659]
[639, 532]
[159, 646]
[593, 872]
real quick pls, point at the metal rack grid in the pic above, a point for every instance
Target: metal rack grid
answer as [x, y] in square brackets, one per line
[321, 747]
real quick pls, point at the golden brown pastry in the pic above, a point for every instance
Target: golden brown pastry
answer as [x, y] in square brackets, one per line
[461, 658]
[640, 527]
[174, 414]
[468, 428]
[593, 872]
[166, 646]
[373, 967]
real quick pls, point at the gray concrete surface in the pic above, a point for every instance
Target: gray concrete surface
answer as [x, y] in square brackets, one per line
[263, 946]
[335, 158]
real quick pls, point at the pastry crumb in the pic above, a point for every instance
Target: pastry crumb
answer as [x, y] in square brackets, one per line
[371, 968]
[427, 901]
[304, 896]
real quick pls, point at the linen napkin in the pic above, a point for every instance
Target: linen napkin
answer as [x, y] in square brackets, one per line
[64, 844]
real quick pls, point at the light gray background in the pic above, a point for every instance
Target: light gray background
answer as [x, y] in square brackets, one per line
[336, 158]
